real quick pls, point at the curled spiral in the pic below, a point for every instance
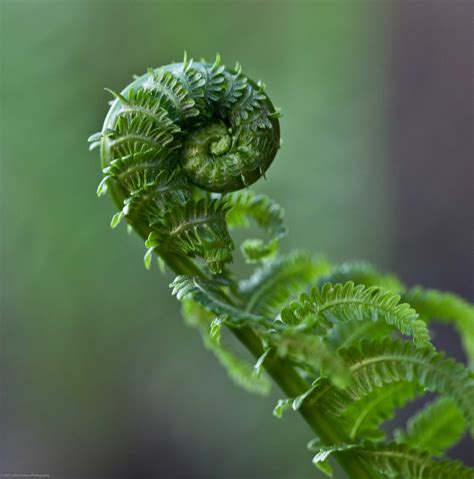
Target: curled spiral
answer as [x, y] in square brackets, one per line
[172, 138]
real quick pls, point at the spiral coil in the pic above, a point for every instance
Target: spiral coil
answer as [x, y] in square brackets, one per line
[174, 136]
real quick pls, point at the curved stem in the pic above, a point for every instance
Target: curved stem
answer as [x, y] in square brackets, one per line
[291, 383]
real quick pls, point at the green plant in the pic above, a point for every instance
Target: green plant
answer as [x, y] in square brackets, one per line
[176, 147]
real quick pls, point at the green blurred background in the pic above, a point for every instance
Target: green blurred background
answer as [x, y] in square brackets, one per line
[99, 376]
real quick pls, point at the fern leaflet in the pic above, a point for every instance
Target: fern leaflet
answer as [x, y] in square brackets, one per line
[377, 363]
[196, 228]
[435, 428]
[276, 282]
[345, 302]
[398, 461]
[446, 307]
[268, 215]
[240, 371]
[364, 417]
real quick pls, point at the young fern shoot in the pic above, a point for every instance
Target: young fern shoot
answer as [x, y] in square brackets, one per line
[179, 148]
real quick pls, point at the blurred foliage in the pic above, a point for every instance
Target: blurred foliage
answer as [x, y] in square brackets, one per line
[89, 337]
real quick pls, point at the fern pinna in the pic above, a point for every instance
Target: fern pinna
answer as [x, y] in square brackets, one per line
[346, 344]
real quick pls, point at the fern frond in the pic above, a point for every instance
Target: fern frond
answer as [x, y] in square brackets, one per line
[239, 370]
[399, 461]
[276, 282]
[251, 108]
[332, 304]
[197, 228]
[377, 363]
[138, 165]
[206, 294]
[194, 82]
[364, 417]
[214, 129]
[436, 428]
[176, 146]
[140, 107]
[171, 94]
[323, 453]
[267, 214]
[214, 80]
[154, 198]
[446, 307]
[135, 136]
[305, 350]
[234, 84]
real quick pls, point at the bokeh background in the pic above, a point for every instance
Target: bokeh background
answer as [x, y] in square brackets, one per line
[99, 377]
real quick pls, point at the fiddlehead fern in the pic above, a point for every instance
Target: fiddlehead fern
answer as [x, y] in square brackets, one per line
[176, 145]
[173, 136]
